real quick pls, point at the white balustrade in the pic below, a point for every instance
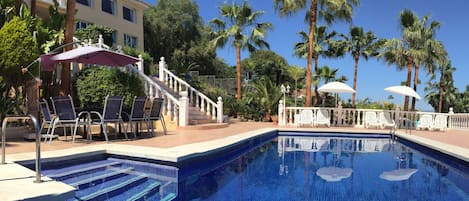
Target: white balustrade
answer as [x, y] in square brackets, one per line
[356, 117]
[195, 97]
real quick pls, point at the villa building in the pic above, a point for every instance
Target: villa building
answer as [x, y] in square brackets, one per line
[125, 17]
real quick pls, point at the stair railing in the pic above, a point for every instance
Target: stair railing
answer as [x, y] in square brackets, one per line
[196, 98]
[154, 90]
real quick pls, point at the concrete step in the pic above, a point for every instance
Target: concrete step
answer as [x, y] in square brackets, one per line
[207, 126]
[201, 121]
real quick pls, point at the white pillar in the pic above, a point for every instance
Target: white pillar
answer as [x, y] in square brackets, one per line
[220, 110]
[183, 109]
[162, 65]
[450, 118]
[281, 115]
[140, 64]
[100, 41]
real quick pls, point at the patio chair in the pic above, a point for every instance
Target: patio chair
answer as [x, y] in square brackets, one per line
[155, 114]
[371, 120]
[137, 114]
[385, 120]
[323, 118]
[47, 120]
[66, 116]
[441, 122]
[305, 118]
[425, 122]
[111, 114]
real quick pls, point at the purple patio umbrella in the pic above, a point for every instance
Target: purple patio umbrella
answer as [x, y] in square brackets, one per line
[94, 55]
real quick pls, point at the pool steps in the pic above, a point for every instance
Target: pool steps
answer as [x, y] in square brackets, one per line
[104, 191]
[101, 177]
[58, 176]
[111, 180]
[145, 192]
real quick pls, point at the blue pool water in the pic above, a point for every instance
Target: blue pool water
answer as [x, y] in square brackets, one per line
[286, 167]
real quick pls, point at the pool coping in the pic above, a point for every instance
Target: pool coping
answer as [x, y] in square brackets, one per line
[51, 190]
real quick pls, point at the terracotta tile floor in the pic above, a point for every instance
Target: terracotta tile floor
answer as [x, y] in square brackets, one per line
[181, 136]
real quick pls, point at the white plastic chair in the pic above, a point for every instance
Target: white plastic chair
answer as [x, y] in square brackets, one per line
[371, 120]
[385, 120]
[425, 122]
[305, 118]
[440, 123]
[323, 118]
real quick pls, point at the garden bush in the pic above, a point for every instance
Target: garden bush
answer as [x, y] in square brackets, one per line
[93, 84]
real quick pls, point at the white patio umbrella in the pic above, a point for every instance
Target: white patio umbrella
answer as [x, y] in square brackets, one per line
[334, 174]
[398, 175]
[336, 87]
[403, 90]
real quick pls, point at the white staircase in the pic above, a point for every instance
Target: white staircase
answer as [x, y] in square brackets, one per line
[183, 103]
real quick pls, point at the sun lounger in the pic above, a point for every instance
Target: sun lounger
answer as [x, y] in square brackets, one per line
[385, 120]
[323, 118]
[441, 122]
[371, 120]
[305, 118]
[425, 122]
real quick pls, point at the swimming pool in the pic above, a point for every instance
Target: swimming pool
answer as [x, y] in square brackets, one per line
[287, 166]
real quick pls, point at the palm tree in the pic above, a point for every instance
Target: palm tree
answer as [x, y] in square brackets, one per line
[327, 74]
[329, 10]
[267, 94]
[322, 47]
[427, 51]
[360, 44]
[442, 93]
[68, 39]
[400, 51]
[239, 25]
[296, 73]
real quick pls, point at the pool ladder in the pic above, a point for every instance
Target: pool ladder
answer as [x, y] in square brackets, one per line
[38, 141]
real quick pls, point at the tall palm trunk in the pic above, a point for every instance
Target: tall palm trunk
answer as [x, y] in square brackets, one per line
[17, 5]
[409, 77]
[416, 80]
[238, 72]
[316, 92]
[355, 72]
[69, 32]
[440, 100]
[33, 8]
[313, 10]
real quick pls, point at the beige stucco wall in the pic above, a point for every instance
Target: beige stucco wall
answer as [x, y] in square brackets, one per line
[95, 15]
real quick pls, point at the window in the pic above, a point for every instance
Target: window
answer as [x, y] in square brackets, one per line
[130, 41]
[114, 37]
[108, 6]
[81, 25]
[85, 2]
[129, 14]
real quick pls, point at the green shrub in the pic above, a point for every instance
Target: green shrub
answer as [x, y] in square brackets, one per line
[7, 104]
[95, 83]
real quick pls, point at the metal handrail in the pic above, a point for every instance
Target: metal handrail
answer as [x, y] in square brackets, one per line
[38, 141]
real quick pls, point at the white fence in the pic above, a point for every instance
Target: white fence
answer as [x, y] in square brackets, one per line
[288, 116]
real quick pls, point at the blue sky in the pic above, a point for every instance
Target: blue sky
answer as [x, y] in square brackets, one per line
[379, 16]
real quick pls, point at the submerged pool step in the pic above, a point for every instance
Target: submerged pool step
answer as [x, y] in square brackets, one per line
[141, 191]
[99, 176]
[168, 197]
[63, 173]
[103, 190]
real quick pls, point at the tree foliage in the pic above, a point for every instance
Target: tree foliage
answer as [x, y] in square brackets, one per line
[239, 26]
[93, 31]
[95, 83]
[17, 49]
[266, 63]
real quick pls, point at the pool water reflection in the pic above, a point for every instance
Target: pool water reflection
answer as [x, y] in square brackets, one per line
[329, 168]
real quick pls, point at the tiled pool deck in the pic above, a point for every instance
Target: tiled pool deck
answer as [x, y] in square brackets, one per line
[16, 182]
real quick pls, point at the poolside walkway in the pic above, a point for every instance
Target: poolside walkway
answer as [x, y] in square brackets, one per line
[182, 136]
